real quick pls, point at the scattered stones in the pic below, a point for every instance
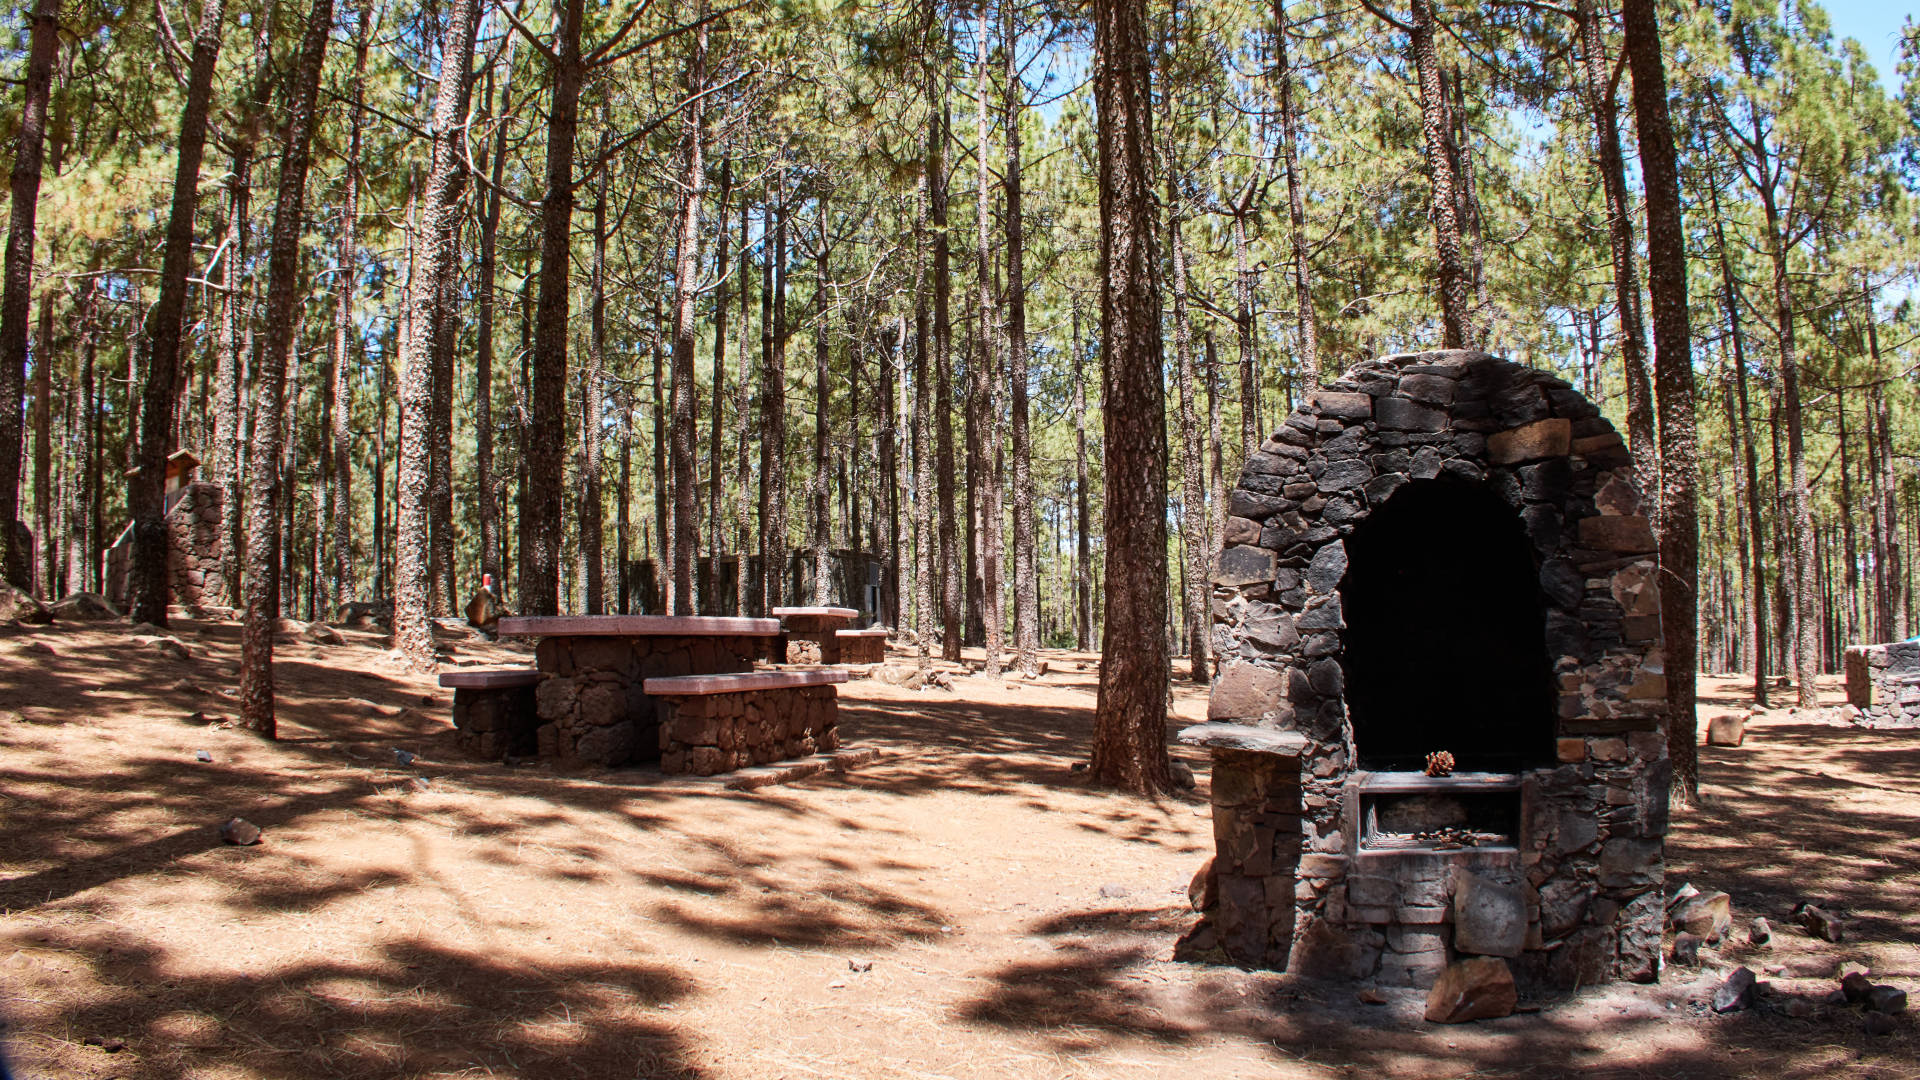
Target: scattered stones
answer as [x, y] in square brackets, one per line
[205, 757]
[1877, 1024]
[1855, 985]
[1477, 988]
[1709, 916]
[1797, 1008]
[860, 966]
[1821, 923]
[1759, 933]
[240, 832]
[1736, 993]
[402, 758]
[1182, 774]
[1112, 891]
[1686, 949]
[1727, 729]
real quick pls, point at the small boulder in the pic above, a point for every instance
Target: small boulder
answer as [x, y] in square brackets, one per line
[1886, 999]
[170, 647]
[1476, 988]
[322, 634]
[1709, 916]
[1736, 993]
[1877, 1024]
[84, 607]
[240, 832]
[21, 607]
[1182, 776]
[1855, 985]
[1111, 891]
[1759, 933]
[204, 757]
[1822, 923]
[38, 648]
[1727, 729]
[1201, 890]
[1686, 949]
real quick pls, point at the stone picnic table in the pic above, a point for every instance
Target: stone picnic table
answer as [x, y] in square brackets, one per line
[812, 633]
[593, 705]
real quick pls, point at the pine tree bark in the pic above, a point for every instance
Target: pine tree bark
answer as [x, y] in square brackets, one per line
[686, 508]
[1444, 210]
[952, 602]
[773, 418]
[716, 454]
[1129, 740]
[420, 388]
[340, 388]
[1304, 326]
[985, 434]
[1083, 518]
[822, 525]
[275, 343]
[1673, 362]
[1193, 515]
[44, 349]
[1756, 616]
[1026, 576]
[540, 521]
[484, 478]
[1594, 68]
[592, 525]
[922, 459]
[43, 47]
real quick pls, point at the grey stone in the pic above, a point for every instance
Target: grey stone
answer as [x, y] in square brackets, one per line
[1343, 406]
[1477, 988]
[1428, 389]
[1736, 993]
[1709, 915]
[1402, 414]
[1489, 918]
[1759, 933]
[1344, 475]
[1243, 564]
[1562, 583]
[1627, 862]
[1886, 999]
[1324, 617]
[240, 832]
[1462, 469]
[1327, 567]
[1252, 505]
[1272, 630]
[1270, 464]
[1326, 678]
[1318, 645]
[1257, 740]
[1382, 487]
[1427, 463]
[1686, 949]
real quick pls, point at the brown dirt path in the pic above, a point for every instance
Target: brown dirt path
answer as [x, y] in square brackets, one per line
[522, 922]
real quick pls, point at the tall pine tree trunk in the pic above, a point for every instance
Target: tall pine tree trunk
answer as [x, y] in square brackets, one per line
[821, 523]
[43, 47]
[1193, 516]
[276, 342]
[484, 479]
[341, 388]
[1026, 577]
[1444, 209]
[419, 386]
[1308, 335]
[540, 522]
[593, 412]
[686, 509]
[1129, 739]
[985, 433]
[1673, 360]
[952, 602]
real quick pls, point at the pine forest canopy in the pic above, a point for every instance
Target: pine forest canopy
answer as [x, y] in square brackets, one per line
[539, 290]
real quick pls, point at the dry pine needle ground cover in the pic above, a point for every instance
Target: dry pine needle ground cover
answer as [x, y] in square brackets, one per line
[515, 921]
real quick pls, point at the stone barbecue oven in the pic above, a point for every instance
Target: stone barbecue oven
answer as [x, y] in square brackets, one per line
[1439, 551]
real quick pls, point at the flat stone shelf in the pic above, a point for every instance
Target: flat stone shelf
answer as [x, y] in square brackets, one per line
[697, 685]
[871, 631]
[1245, 737]
[637, 626]
[495, 679]
[831, 612]
[1413, 783]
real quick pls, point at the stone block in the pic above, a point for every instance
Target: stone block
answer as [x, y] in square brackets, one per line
[1246, 692]
[1530, 442]
[1428, 389]
[1623, 533]
[1243, 564]
[1477, 988]
[555, 699]
[1403, 414]
[1241, 530]
[1708, 916]
[1570, 750]
[1343, 475]
[1489, 918]
[1343, 406]
[1630, 862]
[1727, 729]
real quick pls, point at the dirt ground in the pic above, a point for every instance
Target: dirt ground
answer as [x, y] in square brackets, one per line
[514, 921]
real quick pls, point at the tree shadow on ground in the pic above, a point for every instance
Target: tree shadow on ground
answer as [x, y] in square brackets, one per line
[417, 1009]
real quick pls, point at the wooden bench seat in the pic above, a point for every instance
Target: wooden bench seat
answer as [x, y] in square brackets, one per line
[494, 711]
[712, 724]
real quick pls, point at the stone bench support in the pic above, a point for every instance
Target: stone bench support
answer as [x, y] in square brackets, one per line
[810, 635]
[494, 711]
[1256, 841]
[712, 724]
[867, 646]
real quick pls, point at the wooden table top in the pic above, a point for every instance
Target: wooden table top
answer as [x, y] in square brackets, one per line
[637, 626]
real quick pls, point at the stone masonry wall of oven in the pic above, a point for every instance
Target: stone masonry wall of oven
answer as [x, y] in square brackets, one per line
[1590, 859]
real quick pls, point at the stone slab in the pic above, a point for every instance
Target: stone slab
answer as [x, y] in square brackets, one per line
[493, 679]
[822, 612]
[1244, 737]
[697, 685]
[636, 626]
[872, 631]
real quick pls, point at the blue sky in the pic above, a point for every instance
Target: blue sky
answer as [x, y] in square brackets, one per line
[1875, 24]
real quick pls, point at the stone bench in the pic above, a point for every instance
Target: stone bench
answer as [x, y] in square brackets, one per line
[867, 646]
[808, 635]
[711, 724]
[494, 710]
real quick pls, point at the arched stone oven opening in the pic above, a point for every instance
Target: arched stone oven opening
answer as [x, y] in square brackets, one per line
[1446, 630]
[1437, 551]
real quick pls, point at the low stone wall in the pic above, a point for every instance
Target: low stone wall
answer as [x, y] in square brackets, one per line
[491, 724]
[1883, 684]
[593, 709]
[707, 734]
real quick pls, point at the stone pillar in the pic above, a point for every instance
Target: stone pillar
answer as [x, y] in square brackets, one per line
[1257, 840]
